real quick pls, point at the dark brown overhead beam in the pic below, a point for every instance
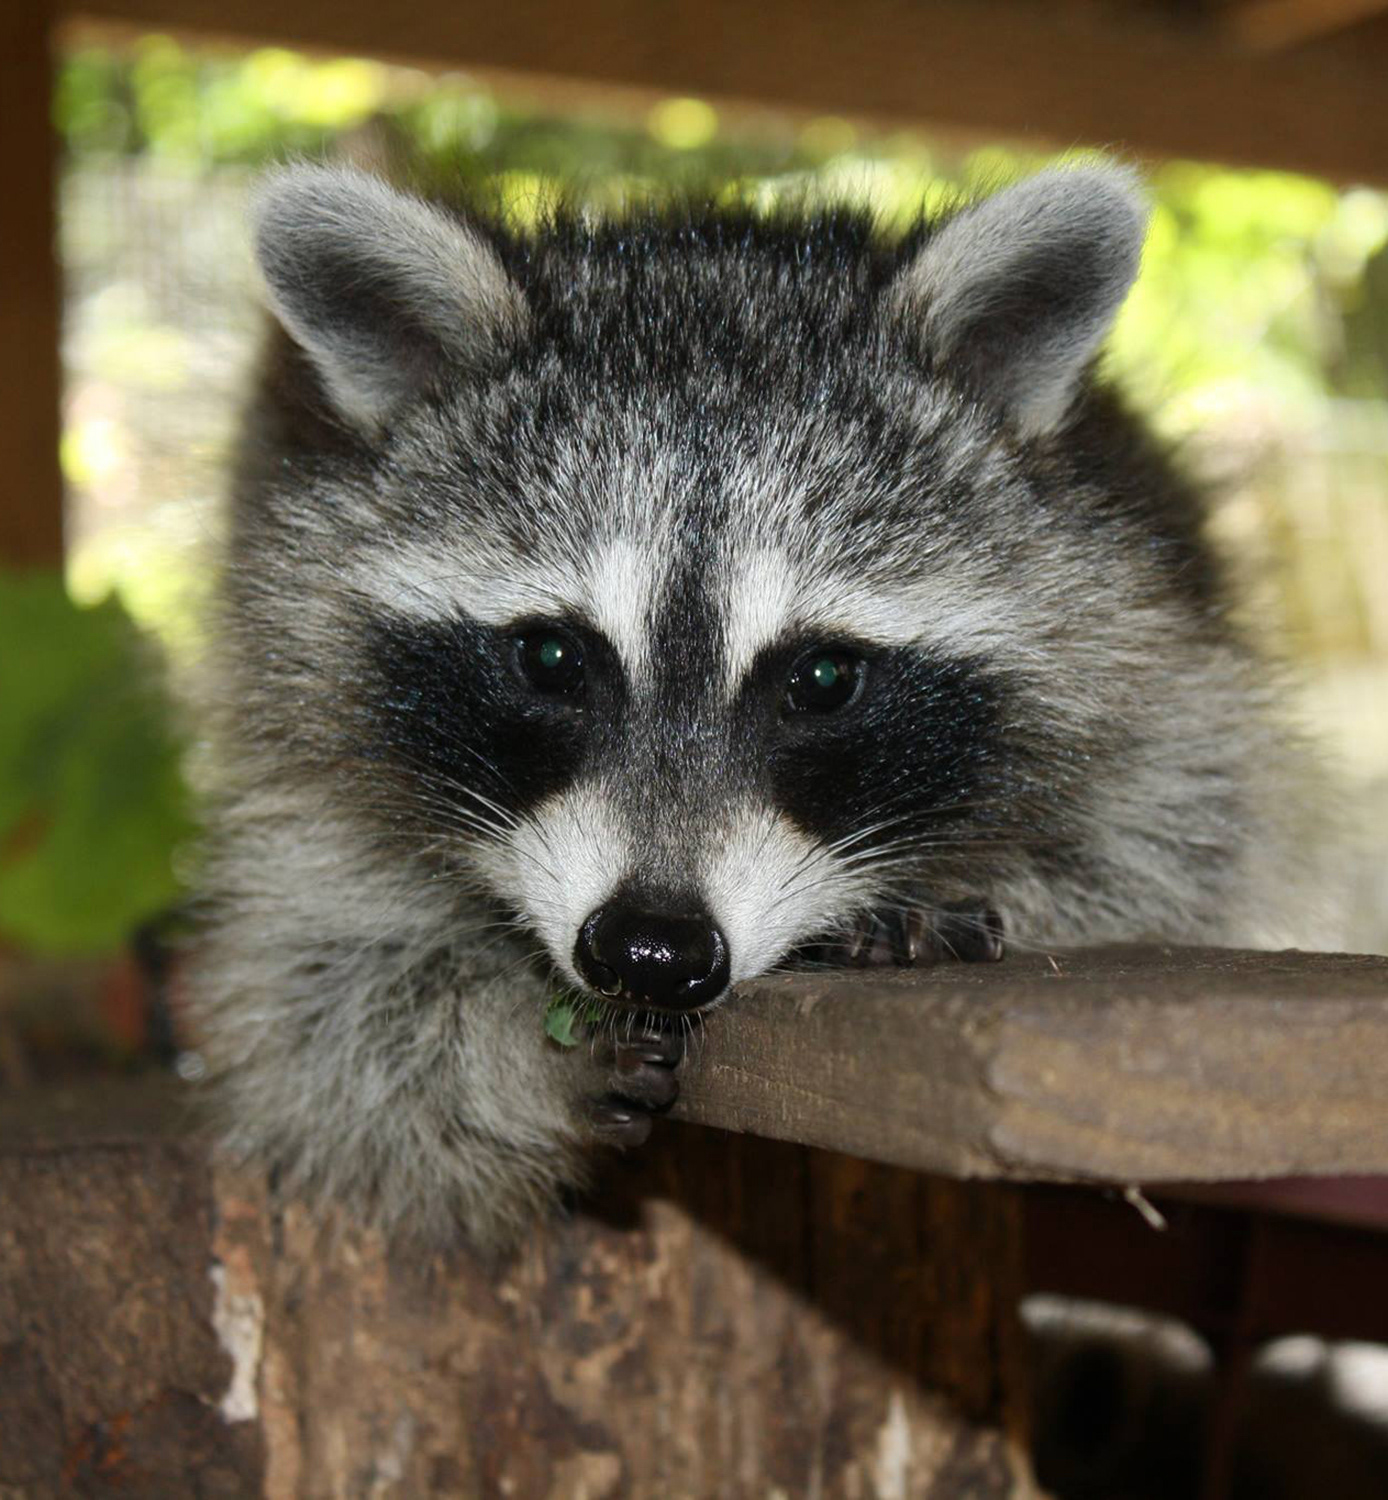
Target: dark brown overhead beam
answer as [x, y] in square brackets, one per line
[1041, 73]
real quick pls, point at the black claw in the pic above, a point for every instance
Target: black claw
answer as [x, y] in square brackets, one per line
[618, 1121]
[917, 939]
[873, 944]
[969, 931]
[662, 1049]
[645, 1079]
[639, 1083]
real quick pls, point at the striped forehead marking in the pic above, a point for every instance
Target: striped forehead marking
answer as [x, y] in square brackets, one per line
[620, 585]
[767, 598]
[614, 588]
[760, 597]
[759, 601]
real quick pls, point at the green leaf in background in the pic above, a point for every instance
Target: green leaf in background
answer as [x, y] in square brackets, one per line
[92, 801]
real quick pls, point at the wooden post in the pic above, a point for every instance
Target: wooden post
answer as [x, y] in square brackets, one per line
[30, 305]
[1176, 81]
[31, 517]
[1124, 1065]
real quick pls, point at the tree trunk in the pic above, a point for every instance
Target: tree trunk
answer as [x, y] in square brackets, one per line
[727, 1317]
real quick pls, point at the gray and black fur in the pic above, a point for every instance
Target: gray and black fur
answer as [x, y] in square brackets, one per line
[634, 606]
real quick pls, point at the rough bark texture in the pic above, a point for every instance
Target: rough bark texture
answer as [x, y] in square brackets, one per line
[730, 1317]
[110, 1365]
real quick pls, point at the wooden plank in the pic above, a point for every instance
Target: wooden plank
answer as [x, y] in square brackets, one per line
[31, 491]
[1037, 72]
[1121, 1065]
[730, 1317]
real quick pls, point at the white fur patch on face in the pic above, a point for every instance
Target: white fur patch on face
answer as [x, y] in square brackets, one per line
[944, 612]
[759, 599]
[427, 584]
[769, 886]
[765, 600]
[559, 865]
[613, 590]
[620, 583]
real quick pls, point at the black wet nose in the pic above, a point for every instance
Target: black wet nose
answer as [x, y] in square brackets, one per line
[650, 958]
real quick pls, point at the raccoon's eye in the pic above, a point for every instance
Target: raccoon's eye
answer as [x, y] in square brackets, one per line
[553, 662]
[824, 681]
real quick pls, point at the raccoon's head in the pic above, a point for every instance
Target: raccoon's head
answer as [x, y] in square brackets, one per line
[678, 581]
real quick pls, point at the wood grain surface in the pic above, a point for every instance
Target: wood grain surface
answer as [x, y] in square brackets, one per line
[1123, 1065]
[729, 1314]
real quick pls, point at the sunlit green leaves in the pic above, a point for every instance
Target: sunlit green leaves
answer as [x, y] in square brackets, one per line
[203, 108]
[92, 804]
[1246, 279]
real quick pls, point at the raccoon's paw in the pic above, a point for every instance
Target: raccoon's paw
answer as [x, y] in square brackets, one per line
[969, 931]
[636, 1082]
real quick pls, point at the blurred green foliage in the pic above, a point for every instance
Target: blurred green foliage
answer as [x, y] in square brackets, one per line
[92, 803]
[1250, 278]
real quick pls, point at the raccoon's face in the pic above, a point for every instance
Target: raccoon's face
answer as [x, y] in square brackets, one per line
[684, 754]
[670, 588]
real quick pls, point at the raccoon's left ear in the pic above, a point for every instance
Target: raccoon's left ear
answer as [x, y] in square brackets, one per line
[1017, 292]
[382, 291]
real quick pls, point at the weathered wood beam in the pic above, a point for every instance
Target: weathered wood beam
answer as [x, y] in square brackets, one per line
[1038, 72]
[1120, 1065]
[31, 490]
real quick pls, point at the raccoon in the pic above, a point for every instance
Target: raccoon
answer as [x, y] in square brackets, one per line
[625, 607]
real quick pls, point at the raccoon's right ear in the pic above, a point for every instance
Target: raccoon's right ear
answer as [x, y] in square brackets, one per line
[381, 290]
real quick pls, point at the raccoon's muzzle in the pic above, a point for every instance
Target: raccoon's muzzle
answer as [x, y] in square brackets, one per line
[651, 958]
